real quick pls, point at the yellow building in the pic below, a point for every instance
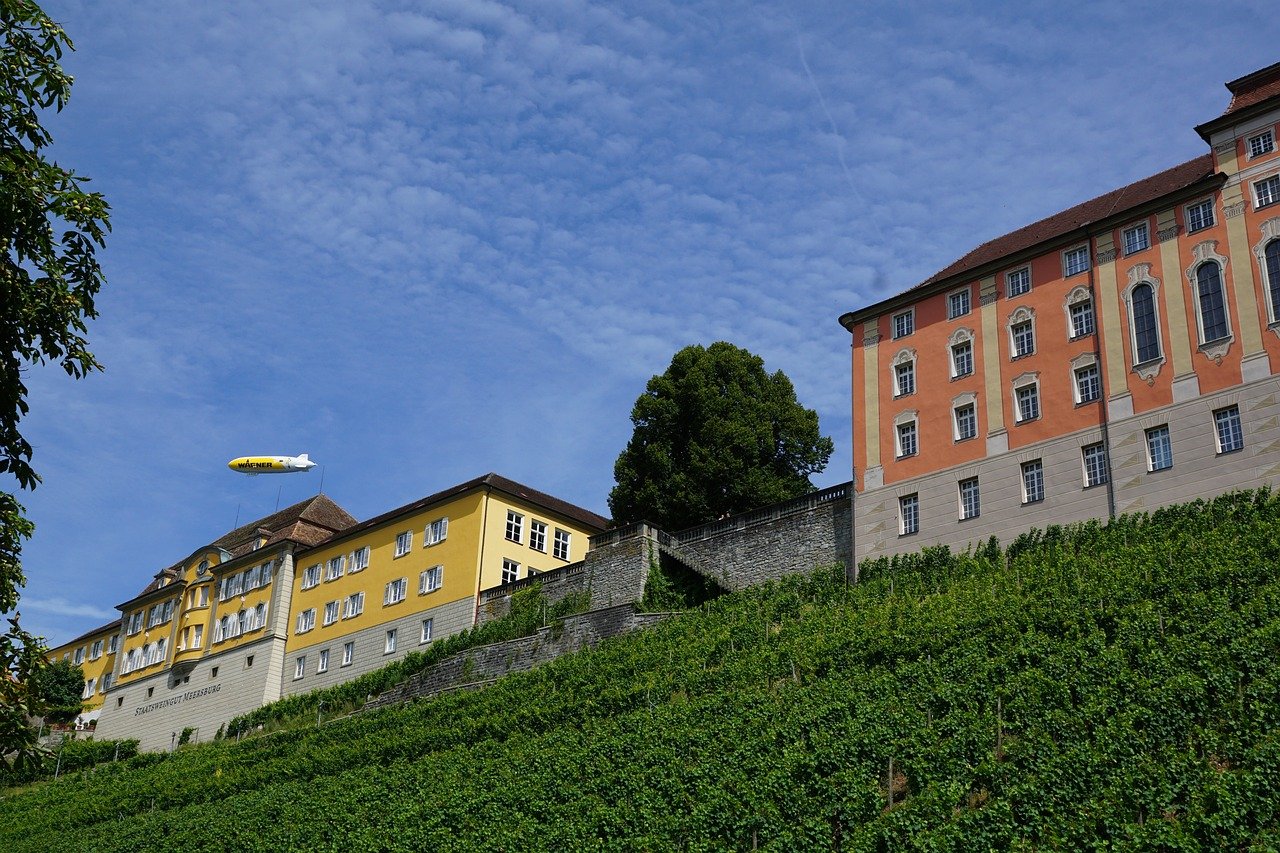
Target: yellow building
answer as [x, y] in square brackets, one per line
[95, 653]
[308, 597]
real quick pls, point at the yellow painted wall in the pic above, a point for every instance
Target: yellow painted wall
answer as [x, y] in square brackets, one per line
[498, 546]
[245, 601]
[457, 554]
[97, 668]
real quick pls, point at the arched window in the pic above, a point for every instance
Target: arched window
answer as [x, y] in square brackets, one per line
[1146, 337]
[1272, 256]
[1213, 308]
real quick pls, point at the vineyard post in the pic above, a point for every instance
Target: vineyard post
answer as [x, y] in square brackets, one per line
[889, 787]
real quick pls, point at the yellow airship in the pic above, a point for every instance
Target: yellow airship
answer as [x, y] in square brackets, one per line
[271, 464]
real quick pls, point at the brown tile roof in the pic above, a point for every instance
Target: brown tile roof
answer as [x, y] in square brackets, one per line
[1254, 88]
[497, 482]
[1059, 226]
[307, 522]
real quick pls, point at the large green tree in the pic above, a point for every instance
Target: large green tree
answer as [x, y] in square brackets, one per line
[58, 688]
[715, 435]
[50, 230]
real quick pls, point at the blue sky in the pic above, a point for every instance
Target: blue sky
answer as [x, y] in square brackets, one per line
[422, 242]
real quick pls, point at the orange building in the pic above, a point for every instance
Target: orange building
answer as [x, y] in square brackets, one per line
[1115, 357]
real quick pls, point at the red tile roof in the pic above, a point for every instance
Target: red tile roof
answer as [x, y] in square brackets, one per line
[1254, 88]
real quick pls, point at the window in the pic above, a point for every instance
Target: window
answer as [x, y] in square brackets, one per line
[353, 606]
[1146, 335]
[958, 304]
[390, 645]
[1267, 191]
[427, 628]
[197, 636]
[359, 560]
[966, 417]
[311, 576]
[1081, 318]
[348, 653]
[95, 651]
[1095, 464]
[322, 665]
[904, 324]
[253, 578]
[395, 592]
[201, 597]
[904, 378]
[299, 667]
[1271, 264]
[436, 532]
[510, 570]
[515, 526]
[1136, 238]
[78, 657]
[1159, 451]
[537, 535]
[108, 680]
[266, 572]
[1213, 310]
[1263, 143]
[1024, 339]
[962, 359]
[1075, 261]
[333, 570]
[89, 686]
[1230, 434]
[1018, 282]
[1028, 402]
[113, 644]
[331, 612]
[306, 621]
[135, 623]
[1199, 215]
[908, 515]
[430, 580]
[1032, 481]
[560, 545]
[1088, 384]
[970, 499]
[907, 442]
[404, 543]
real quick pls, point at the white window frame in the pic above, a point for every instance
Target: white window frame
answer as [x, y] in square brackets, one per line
[359, 560]
[311, 576]
[904, 421]
[538, 535]
[78, 657]
[1229, 417]
[963, 338]
[1080, 376]
[1136, 238]
[1079, 305]
[1203, 210]
[348, 653]
[969, 492]
[1019, 278]
[1261, 143]
[396, 591]
[95, 650]
[1017, 338]
[561, 544]
[1032, 470]
[332, 611]
[430, 580]
[510, 570]
[299, 667]
[113, 644]
[353, 606]
[428, 630]
[1266, 191]
[436, 532]
[1075, 260]
[1028, 381]
[904, 373]
[959, 303]
[404, 543]
[909, 514]
[1140, 276]
[322, 661]
[906, 327]
[389, 644]
[514, 531]
[306, 621]
[958, 405]
[1093, 459]
[1166, 456]
[334, 568]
